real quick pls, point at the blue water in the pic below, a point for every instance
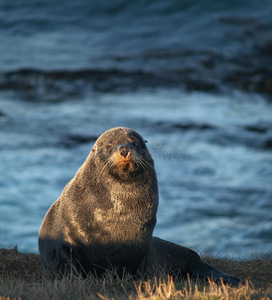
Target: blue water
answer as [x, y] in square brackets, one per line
[192, 77]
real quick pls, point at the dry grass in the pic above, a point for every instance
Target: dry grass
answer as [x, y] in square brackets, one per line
[21, 277]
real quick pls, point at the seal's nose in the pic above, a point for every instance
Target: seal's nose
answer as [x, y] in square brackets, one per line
[123, 150]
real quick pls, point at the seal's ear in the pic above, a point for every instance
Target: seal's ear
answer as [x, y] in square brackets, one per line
[94, 149]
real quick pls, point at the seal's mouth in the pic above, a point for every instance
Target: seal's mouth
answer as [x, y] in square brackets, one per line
[126, 165]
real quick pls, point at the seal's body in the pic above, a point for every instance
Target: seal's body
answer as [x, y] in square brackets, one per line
[106, 215]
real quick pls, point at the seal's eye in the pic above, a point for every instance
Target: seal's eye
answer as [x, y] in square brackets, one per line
[133, 142]
[108, 147]
[145, 141]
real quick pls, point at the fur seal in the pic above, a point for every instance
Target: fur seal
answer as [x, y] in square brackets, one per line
[106, 215]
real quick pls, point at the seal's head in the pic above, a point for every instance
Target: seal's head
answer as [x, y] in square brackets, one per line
[122, 153]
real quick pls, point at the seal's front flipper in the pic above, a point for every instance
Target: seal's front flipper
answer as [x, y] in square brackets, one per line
[205, 271]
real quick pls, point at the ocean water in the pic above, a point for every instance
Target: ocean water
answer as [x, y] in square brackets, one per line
[192, 77]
